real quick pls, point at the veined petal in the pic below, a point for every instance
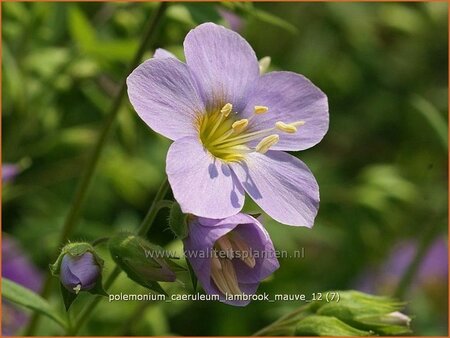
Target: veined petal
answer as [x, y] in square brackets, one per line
[67, 276]
[161, 53]
[163, 94]
[202, 185]
[281, 185]
[257, 238]
[290, 97]
[223, 63]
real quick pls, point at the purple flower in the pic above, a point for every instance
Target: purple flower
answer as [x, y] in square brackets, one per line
[233, 20]
[79, 273]
[432, 271]
[9, 172]
[19, 269]
[231, 127]
[230, 256]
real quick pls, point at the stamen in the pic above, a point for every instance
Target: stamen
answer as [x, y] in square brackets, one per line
[239, 125]
[288, 128]
[230, 277]
[77, 289]
[245, 252]
[224, 112]
[267, 142]
[261, 110]
[226, 109]
[218, 277]
[225, 245]
[241, 139]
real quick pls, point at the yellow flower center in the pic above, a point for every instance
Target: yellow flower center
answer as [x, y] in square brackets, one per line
[227, 138]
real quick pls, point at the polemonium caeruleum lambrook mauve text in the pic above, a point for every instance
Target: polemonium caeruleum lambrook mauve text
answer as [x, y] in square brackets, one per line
[230, 127]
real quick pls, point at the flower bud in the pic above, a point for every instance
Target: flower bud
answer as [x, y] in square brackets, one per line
[79, 273]
[142, 261]
[368, 312]
[79, 268]
[350, 313]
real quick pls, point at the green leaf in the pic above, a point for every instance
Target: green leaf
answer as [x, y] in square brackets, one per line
[434, 118]
[25, 297]
[81, 29]
[273, 20]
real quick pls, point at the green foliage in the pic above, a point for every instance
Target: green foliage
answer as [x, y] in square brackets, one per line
[19, 295]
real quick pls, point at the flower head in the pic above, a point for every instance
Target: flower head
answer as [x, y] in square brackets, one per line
[79, 273]
[79, 269]
[230, 256]
[231, 127]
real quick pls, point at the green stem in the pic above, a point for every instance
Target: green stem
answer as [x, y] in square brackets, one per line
[154, 208]
[157, 204]
[93, 303]
[81, 191]
[100, 241]
[283, 322]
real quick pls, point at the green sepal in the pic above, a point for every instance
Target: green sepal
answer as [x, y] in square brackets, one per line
[67, 296]
[178, 221]
[74, 249]
[98, 288]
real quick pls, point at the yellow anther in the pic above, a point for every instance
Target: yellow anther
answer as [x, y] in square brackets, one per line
[226, 109]
[287, 128]
[298, 123]
[266, 143]
[261, 109]
[239, 125]
[264, 64]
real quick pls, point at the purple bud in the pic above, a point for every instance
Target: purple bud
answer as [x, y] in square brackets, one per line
[79, 273]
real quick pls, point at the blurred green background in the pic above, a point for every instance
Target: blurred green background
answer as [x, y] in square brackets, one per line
[382, 167]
